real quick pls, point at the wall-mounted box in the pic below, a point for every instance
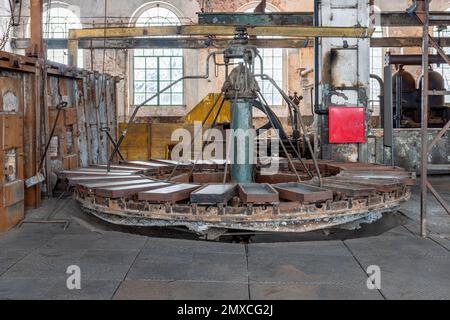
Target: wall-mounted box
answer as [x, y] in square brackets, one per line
[346, 124]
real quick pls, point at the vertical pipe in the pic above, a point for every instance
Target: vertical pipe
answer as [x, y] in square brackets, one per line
[242, 140]
[424, 128]
[316, 73]
[388, 121]
[36, 46]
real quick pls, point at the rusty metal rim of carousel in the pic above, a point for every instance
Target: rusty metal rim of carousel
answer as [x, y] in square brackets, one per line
[137, 193]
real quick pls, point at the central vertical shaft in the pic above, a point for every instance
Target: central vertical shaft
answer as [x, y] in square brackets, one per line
[243, 144]
[240, 88]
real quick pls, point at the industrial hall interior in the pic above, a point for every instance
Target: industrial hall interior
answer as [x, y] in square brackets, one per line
[224, 150]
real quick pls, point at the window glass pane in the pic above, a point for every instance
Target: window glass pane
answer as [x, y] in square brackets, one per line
[151, 62]
[139, 87]
[177, 73]
[178, 87]
[161, 66]
[139, 98]
[164, 74]
[165, 99]
[139, 75]
[151, 87]
[152, 74]
[164, 62]
[177, 99]
[139, 63]
[177, 62]
[57, 22]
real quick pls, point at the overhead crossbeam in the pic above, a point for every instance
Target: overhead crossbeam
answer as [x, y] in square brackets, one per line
[219, 30]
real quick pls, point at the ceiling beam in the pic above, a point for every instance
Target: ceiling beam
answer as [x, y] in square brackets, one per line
[202, 43]
[219, 30]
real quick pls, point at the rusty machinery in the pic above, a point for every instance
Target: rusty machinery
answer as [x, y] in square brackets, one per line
[205, 195]
[406, 93]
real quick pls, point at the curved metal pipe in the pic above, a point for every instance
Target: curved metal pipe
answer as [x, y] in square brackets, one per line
[136, 109]
[302, 124]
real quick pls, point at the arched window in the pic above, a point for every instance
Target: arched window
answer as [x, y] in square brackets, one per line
[273, 66]
[154, 69]
[57, 22]
[376, 67]
[444, 68]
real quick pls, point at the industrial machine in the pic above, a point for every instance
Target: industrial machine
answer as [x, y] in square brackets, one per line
[240, 193]
[406, 95]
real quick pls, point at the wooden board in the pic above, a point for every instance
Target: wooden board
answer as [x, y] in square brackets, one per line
[127, 191]
[257, 193]
[295, 191]
[170, 194]
[214, 193]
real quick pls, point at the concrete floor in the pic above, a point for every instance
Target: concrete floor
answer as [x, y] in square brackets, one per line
[115, 265]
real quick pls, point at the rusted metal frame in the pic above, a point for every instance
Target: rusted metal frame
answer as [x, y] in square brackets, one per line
[266, 193]
[438, 136]
[424, 18]
[401, 42]
[256, 19]
[438, 197]
[439, 49]
[113, 142]
[59, 107]
[402, 19]
[302, 192]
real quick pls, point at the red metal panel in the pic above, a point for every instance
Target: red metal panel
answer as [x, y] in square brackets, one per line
[346, 124]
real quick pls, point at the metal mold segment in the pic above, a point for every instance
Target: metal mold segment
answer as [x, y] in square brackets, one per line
[365, 203]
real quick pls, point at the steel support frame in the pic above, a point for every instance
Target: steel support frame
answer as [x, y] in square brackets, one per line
[75, 35]
[424, 16]
[206, 42]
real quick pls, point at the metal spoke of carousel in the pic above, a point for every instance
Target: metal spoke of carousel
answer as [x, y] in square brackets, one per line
[237, 192]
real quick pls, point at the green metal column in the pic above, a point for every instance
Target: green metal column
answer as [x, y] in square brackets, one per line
[242, 135]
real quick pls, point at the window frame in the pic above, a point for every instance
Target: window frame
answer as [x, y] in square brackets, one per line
[374, 103]
[67, 26]
[132, 101]
[443, 68]
[284, 57]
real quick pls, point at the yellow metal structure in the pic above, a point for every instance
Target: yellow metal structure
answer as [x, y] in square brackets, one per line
[219, 30]
[201, 109]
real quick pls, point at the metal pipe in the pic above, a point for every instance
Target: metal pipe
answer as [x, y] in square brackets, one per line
[381, 84]
[412, 59]
[302, 124]
[136, 109]
[317, 106]
[241, 124]
[424, 128]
